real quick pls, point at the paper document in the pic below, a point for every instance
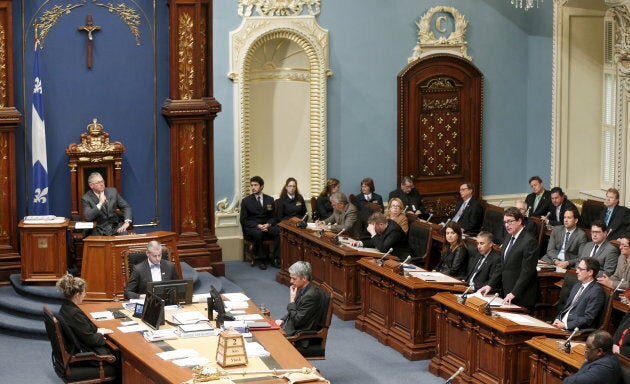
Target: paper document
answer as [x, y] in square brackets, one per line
[133, 328]
[253, 316]
[311, 226]
[190, 317]
[254, 349]
[236, 296]
[191, 361]
[104, 315]
[237, 304]
[436, 277]
[83, 225]
[178, 354]
[496, 303]
[524, 319]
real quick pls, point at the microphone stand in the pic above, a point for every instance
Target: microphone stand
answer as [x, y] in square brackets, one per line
[450, 379]
[488, 310]
[567, 343]
[464, 295]
[381, 260]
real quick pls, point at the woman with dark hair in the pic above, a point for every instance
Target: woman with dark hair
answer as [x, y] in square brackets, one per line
[90, 337]
[454, 253]
[367, 195]
[324, 208]
[291, 203]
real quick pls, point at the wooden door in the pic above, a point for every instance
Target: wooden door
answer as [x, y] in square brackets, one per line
[439, 128]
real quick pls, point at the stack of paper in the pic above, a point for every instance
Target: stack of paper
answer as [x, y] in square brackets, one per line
[190, 317]
[254, 349]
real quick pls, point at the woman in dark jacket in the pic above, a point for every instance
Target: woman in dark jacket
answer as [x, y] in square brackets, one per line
[291, 203]
[324, 208]
[89, 335]
[454, 253]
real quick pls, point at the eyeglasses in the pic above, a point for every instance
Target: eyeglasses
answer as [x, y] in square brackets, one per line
[510, 221]
[581, 269]
[464, 189]
[624, 246]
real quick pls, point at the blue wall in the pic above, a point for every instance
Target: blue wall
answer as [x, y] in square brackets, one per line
[370, 41]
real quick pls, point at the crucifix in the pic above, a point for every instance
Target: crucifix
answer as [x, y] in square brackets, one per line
[89, 27]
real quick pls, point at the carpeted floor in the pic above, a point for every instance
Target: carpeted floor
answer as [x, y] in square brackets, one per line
[352, 356]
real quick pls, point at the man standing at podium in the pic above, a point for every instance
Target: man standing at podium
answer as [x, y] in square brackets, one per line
[100, 204]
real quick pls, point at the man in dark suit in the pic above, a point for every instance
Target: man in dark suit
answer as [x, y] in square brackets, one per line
[485, 265]
[538, 201]
[410, 196]
[385, 234]
[345, 217]
[615, 216]
[306, 303]
[559, 204]
[153, 269]
[601, 365]
[518, 279]
[468, 211]
[565, 241]
[259, 222]
[100, 204]
[586, 300]
[600, 249]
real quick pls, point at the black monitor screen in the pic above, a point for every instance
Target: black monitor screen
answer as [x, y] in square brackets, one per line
[217, 300]
[174, 292]
[153, 311]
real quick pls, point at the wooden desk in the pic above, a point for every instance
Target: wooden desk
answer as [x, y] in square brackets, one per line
[399, 311]
[491, 350]
[44, 252]
[549, 364]
[333, 266]
[140, 364]
[103, 263]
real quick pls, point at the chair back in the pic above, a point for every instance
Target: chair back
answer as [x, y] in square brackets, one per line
[326, 319]
[493, 222]
[136, 255]
[314, 209]
[419, 238]
[591, 211]
[570, 279]
[60, 351]
[604, 317]
[540, 228]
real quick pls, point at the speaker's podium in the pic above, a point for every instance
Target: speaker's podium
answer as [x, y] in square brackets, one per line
[104, 261]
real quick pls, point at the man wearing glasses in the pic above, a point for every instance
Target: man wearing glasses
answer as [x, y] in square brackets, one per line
[601, 366]
[519, 256]
[468, 211]
[602, 250]
[622, 271]
[586, 300]
[100, 205]
[412, 201]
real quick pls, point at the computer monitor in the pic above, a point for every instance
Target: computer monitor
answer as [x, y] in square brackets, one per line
[217, 300]
[174, 292]
[153, 311]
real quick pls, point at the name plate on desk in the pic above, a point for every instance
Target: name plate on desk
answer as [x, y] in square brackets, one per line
[476, 303]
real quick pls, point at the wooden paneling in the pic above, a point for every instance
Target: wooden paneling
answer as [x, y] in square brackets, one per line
[44, 252]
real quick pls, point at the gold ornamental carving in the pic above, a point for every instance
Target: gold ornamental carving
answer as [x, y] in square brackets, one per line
[93, 141]
[186, 70]
[434, 36]
[3, 67]
[246, 8]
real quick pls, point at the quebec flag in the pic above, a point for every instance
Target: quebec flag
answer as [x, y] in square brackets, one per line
[39, 195]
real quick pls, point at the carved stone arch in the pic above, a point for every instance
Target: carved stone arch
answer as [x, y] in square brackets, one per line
[304, 32]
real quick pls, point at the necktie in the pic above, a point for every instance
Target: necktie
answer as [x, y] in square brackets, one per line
[575, 299]
[558, 218]
[608, 214]
[476, 270]
[564, 246]
[536, 201]
[594, 250]
[260, 201]
[508, 248]
[459, 212]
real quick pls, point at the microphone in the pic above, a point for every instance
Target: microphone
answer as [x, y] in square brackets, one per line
[380, 261]
[302, 223]
[618, 285]
[567, 342]
[450, 379]
[403, 264]
[488, 311]
[500, 202]
[337, 236]
[527, 212]
[413, 207]
[465, 294]
[430, 216]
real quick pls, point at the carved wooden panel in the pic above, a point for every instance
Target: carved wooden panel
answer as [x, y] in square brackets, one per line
[439, 128]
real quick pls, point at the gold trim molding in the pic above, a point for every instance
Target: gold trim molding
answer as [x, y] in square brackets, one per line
[278, 7]
[431, 22]
[310, 37]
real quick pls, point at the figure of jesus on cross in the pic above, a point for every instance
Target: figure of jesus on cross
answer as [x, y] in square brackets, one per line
[89, 27]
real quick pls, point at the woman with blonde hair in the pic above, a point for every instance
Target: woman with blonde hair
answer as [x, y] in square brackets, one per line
[396, 211]
[89, 335]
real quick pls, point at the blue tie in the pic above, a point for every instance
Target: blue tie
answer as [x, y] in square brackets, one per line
[608, 214]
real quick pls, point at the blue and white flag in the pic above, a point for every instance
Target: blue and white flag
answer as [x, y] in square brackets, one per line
[39, 187]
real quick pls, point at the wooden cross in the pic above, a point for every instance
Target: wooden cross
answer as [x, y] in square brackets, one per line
[89, 27]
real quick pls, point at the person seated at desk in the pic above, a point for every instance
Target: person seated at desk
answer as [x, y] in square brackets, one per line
[559, 204]
[306, 304]
[100, 204]
[519, 255]
[345, 217]
[621, 338]
[395, 212]
[386, 234]
[615, 216]
[323, 207]
[468, 211]
[367, 195]
[565, 241]
[600, 365]
[154, 269]
[91, 337]
[606, 253]
[290, 203]
[454, 259]
[586, 300]
[412, 201]
[258, 221]
[538, 201]
[623, 270]
[485, 266]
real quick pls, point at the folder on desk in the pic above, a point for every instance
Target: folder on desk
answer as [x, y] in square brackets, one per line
[262, 325]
